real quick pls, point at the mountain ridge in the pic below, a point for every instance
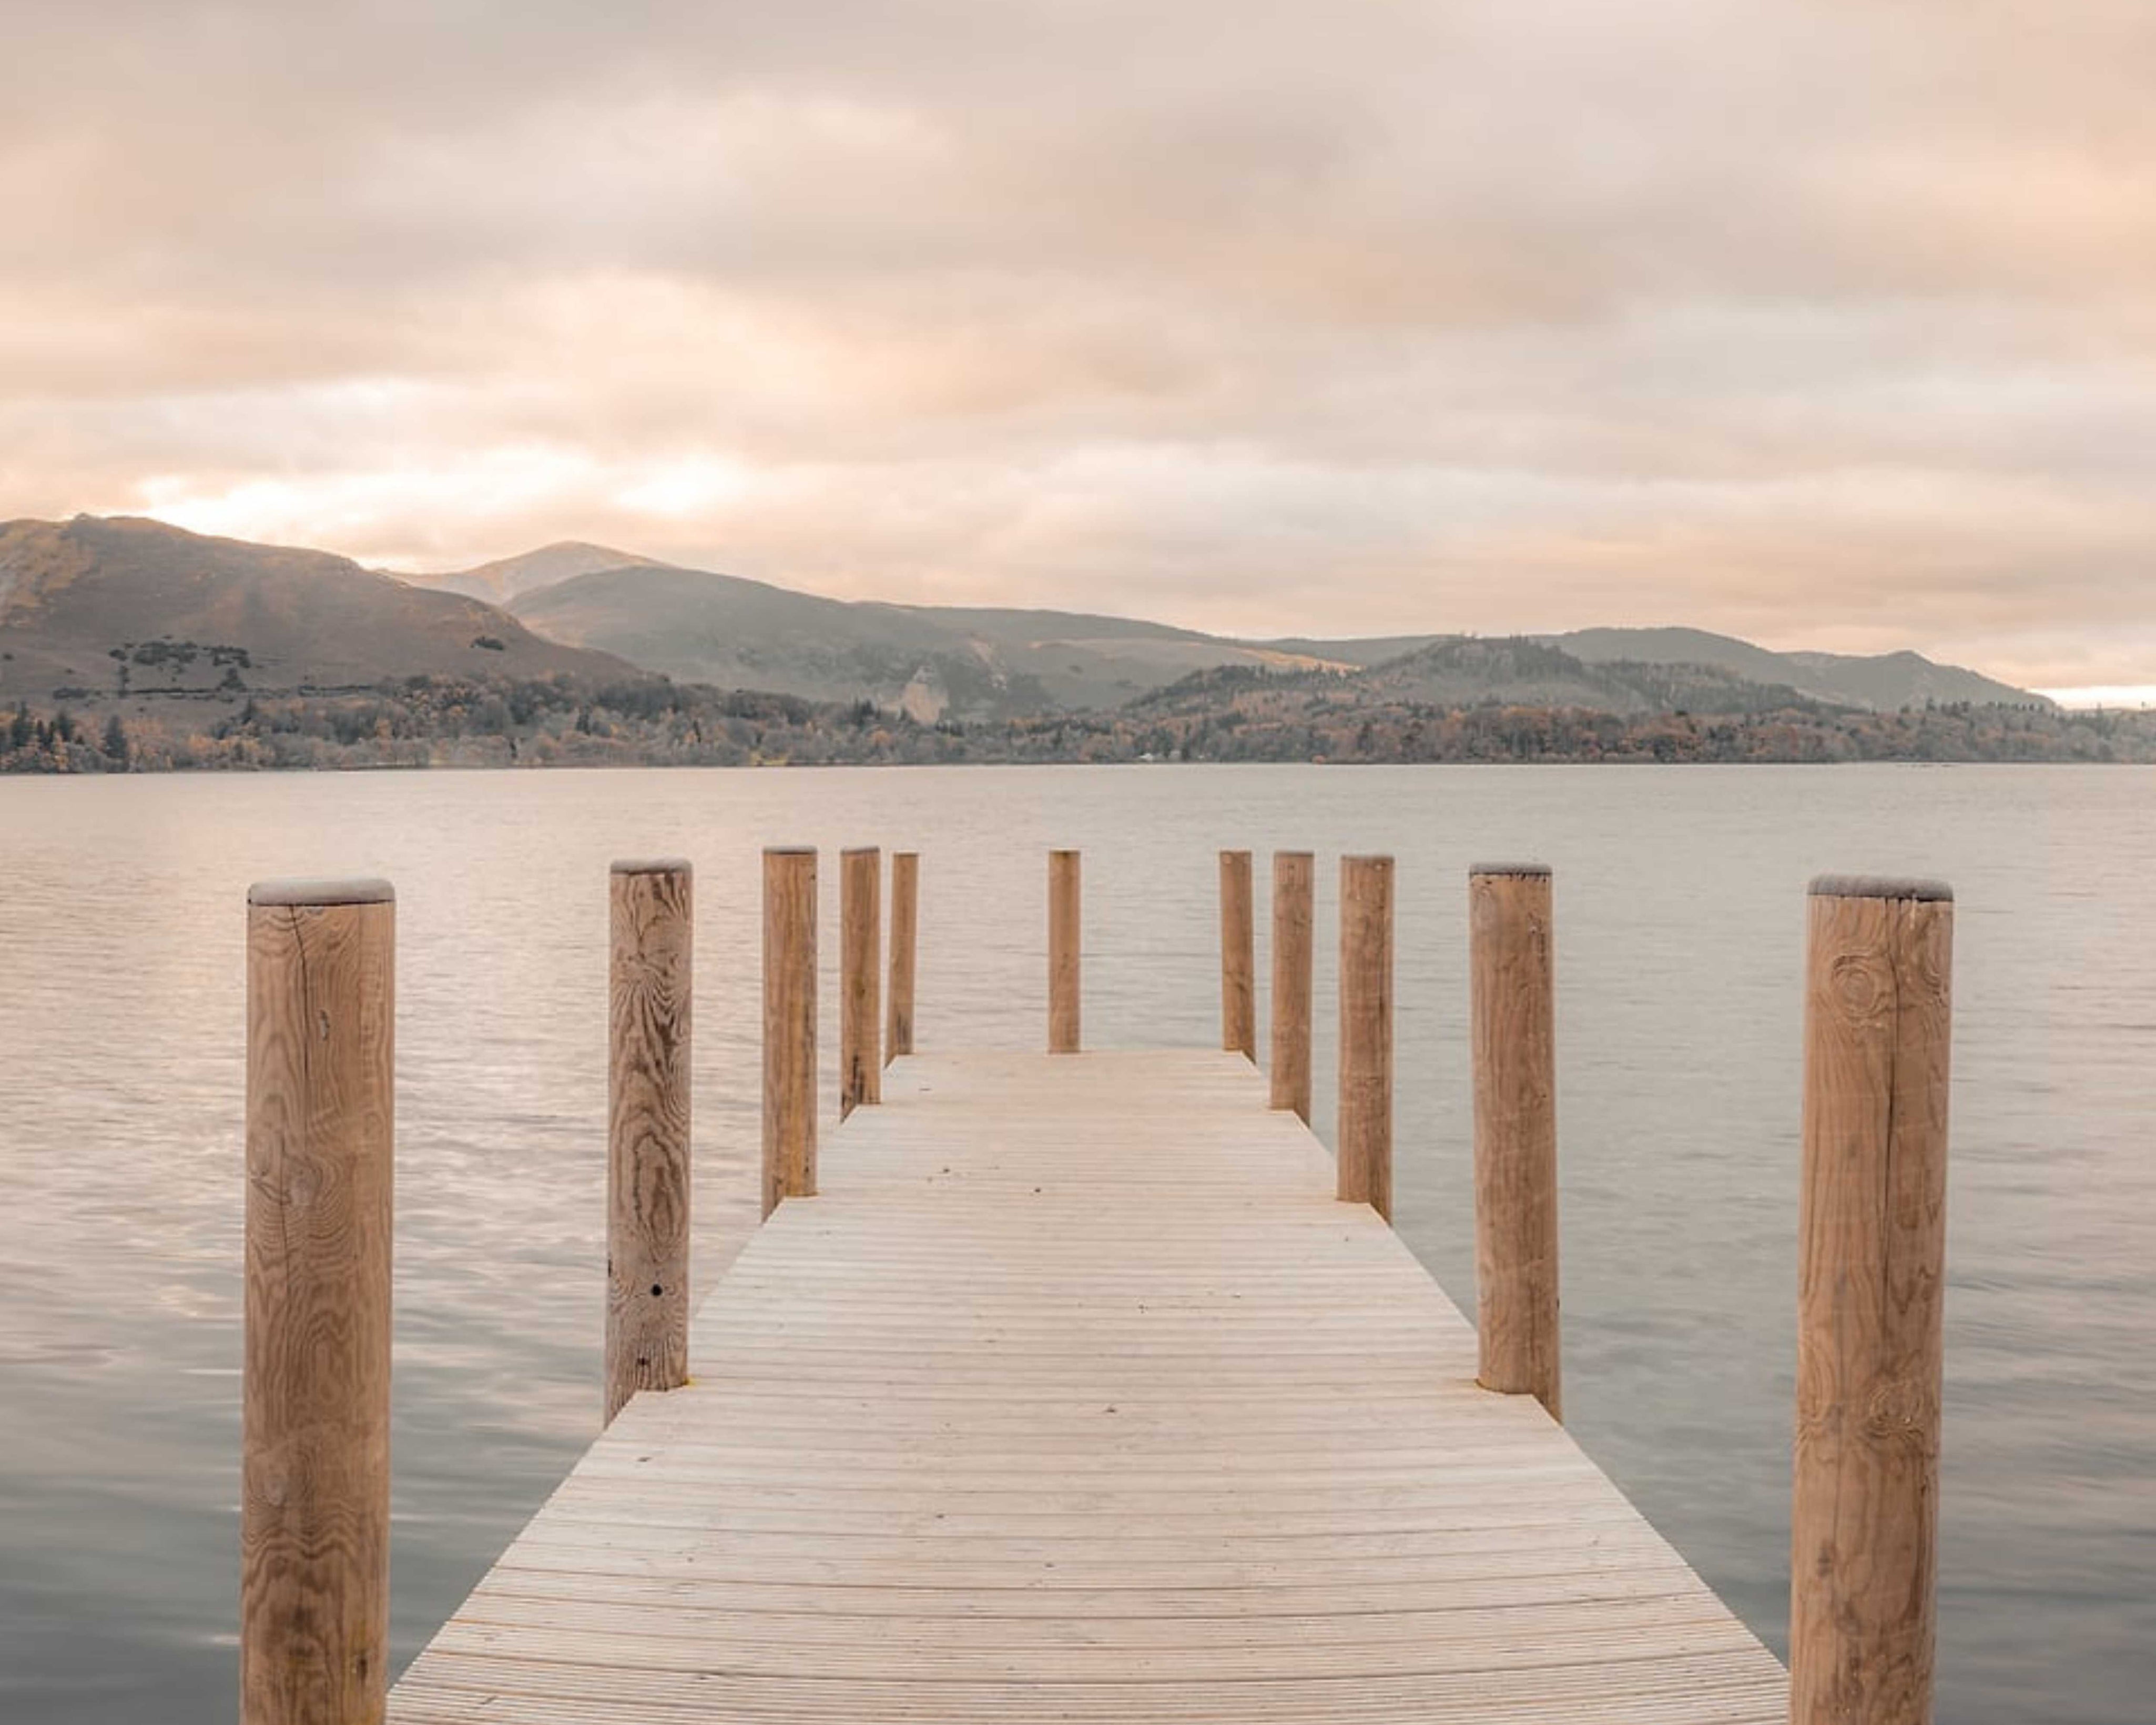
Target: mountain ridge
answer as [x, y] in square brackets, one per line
[126, 606]
[975, 662]
[505, 578]
[930, 662]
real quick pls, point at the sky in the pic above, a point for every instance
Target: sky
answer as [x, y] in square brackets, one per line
[1829, 323]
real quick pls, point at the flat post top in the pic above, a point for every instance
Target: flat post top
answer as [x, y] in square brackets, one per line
[1881, 886]
[321, 895]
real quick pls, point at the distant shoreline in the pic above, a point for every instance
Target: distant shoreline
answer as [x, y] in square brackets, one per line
[435, 722]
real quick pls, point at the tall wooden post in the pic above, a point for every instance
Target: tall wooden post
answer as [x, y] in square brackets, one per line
[1293, 878]
[1238, 993]
[860, 947]
[648, 1012]
[1365, 1154]
[1512, 1003]
[1063, 951]
[789, 1025]
[1870, 1279]
[314, 1516]
[905, 923]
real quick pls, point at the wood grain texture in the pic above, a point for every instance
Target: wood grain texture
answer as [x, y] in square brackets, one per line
[1238, 963]
[650, 987]
[789, 1025]
[1294, 879]
[860, 953]
[1871, 1286]
[314, 1598]
[1513, 1009]
[991, 1434]
[905, 930]
[1065, 946]
[1366, 1033]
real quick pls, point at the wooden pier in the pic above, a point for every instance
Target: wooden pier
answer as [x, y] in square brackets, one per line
[1073, 1385]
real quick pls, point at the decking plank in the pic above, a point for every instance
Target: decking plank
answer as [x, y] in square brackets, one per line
[1076, 1395]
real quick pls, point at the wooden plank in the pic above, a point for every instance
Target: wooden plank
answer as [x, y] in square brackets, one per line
[986, 1431]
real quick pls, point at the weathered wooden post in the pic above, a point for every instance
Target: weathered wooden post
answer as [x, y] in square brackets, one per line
[860, 946]
[1365, 1155]
[1238, 994]
[1512, 1003]
[648, 1012]
[905, 923]
[314, 1516]
[1870, 1281]
[1063, 951]
[790, 1025]
[1293, 878]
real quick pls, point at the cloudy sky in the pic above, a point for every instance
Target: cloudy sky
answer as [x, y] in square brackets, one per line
[1831, 323]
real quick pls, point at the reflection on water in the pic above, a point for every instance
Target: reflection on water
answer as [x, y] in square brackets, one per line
[1680, 934]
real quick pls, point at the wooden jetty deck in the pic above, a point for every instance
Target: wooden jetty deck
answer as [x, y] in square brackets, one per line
[1085, 1386]
[1076, 1395]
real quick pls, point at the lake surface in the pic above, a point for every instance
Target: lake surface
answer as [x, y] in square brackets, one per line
[1679, 945]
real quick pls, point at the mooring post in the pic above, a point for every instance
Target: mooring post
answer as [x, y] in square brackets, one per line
[1512, 1004]
[648, 1013]
[1870, 1281]
[790, 1025]
[860, 947]
[905, 923]
[314, 1516]
[1063, 951]
[1365, 1156]
[1293, 878]
[1239, 996]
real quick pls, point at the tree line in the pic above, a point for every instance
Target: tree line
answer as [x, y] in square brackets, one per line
[563, 721]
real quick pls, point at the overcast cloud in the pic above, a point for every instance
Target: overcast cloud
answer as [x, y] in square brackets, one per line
[1829, 323]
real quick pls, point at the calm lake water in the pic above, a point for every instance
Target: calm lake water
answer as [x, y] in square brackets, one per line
[1680, 939]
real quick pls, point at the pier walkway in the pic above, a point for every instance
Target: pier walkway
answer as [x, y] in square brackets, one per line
[1075, 1394]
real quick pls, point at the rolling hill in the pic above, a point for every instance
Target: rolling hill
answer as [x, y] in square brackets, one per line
[932, 662]
[1520, 671]
[95, 609]
[1884, 683]
[102, 608]
[983, 662]
[500, 581]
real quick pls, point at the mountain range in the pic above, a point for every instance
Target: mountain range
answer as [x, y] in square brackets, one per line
[104, 609]
[976, 663]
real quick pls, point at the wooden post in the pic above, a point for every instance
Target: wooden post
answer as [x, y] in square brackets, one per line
[789, 1025]
[905, 921]
[860, 945]
[1293, 878]
[648, 1002]
[1063, 951]
[1365, 1155]
[1512, 1003]
[1238, 994]
[1870, 1278]
[314, 1516]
